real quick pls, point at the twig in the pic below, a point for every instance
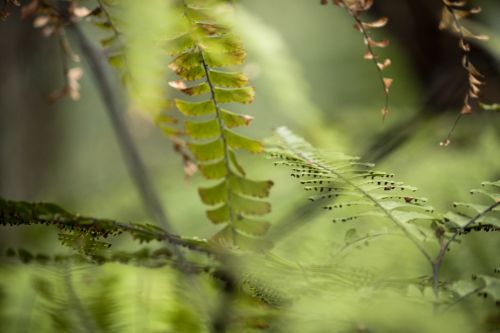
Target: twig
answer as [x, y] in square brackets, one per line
[130, 153]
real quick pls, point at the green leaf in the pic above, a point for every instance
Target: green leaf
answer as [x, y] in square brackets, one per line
[202, 130]
[490, 107]
[180, 44]
[196, 90]
[189, 73]
[215, 170]
[232, 119]
[228, 237]
[204, 15]
[249, 206]
[207, 151]
[249, 187]
[219, 215]
[117, 60]
[214, 195]
[195, 108]
[235, 163]
[237, 141]
[224, 43]
[252, 226]
[235, 95]
[219, 59]
[189, 59]
[227, 79]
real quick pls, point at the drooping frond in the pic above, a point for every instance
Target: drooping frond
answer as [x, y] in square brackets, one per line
[113, 43]
[86, 234]
[203, 50]
[355, 8]
[452, 14]
[358, 191]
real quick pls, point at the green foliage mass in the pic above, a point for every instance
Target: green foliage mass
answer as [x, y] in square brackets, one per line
[385, 260]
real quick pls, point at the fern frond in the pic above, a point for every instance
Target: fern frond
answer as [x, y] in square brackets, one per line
[113, 43]
[355, 8]
[452, 14]
[86, 233]
[144, 257]
[482, 216]
[202, 50]
[374, 194]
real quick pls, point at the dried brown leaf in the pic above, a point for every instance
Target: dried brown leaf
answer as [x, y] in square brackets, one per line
[381, 22]
[177, 84]
[387, 84]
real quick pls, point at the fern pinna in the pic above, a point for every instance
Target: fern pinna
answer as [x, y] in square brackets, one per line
[204, 47]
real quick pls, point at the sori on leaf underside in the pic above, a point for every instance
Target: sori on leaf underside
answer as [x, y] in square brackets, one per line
[353, 190]
[202, 50]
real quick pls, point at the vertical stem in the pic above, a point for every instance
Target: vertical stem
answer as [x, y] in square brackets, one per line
[129, 151]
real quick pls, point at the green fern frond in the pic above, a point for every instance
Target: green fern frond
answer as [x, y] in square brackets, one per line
[144, 257]
[353, 184]
[113, 44]
[86, 234]
[482, 216]
[202, 51]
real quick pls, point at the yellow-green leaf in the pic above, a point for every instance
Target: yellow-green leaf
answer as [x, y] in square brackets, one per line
[252, 226]
[219, 215]
[180, 44]
[237, 141]
[196, 90]
[202, 130]
[186, 60]
[230, 237]
[227, 79]
[195, 108]
[235, 163]
[232, 119]
[223, 59]
[225, 43]
[214, 170]
[214, 195]
[249, 206]
[235, 95]
[189, 73]
[207, 151]
[249, 187]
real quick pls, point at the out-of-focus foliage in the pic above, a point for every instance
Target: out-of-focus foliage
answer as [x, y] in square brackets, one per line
[389, 262]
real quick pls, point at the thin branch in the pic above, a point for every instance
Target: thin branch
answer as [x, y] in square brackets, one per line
[130, 153]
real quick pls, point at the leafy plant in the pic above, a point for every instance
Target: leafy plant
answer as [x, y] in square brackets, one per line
[384, 267]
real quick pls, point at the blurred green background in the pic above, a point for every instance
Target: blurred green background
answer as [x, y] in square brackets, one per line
[306, 63]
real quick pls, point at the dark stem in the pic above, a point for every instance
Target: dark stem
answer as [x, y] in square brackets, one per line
[133, 161]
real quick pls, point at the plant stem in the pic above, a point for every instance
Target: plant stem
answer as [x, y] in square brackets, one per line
[133, 160]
